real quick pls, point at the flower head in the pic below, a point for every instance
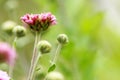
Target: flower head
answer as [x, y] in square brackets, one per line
[38, 22]
[4, 75]
[7, 53]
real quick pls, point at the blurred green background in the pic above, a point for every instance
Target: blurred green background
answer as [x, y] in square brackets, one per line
[93, 51]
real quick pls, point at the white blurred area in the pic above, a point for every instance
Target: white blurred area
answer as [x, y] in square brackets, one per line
[112, 13]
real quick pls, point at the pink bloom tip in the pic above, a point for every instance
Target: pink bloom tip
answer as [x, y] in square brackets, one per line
[39, 22]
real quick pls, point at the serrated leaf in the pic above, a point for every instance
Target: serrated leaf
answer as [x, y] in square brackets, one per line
[51, 68]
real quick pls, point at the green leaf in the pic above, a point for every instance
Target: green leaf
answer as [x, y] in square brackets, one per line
[38, 69]
[52, 67]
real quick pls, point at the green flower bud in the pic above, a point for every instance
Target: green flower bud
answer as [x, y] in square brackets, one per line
[54, 76]
[19, 31]
[11, 4]
[44, 46]
[8, 26]
[62, 39]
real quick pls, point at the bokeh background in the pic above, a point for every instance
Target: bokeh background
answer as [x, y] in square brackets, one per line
[93, 28]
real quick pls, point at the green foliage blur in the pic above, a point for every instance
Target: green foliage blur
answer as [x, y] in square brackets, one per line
[94, 45]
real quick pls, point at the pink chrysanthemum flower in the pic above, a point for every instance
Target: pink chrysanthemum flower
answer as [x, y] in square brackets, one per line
[4, 75]
[38, 22]
[7, 53]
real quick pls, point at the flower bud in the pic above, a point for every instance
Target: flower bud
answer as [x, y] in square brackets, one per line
[62, 39]
[11, 4]
[19, 31]
[8, 26]
[44, 46]
[54, 76]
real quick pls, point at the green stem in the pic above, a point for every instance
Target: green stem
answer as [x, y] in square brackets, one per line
[34, 58]
[55, 56]
[14, 43]
[11, 67]
[36, 61]
[56, 53]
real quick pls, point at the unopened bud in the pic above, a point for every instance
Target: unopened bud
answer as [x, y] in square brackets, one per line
[62, 39]
[44, 46]
[8, 26]
[19, 31]
[11, 4]
[54, 76]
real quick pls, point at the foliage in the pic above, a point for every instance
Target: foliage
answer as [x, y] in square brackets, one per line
[93, 49]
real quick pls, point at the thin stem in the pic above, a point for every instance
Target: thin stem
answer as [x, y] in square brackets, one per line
[56, 53]
[11, 67]
[36, 61]
[34, 58]
[14, 43]
[55, 56]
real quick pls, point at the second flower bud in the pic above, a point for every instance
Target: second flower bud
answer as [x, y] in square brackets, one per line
[44, 46]
[62, 38]
[19, 31]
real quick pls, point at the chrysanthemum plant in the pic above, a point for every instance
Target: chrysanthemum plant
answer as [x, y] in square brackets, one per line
[37, 24]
